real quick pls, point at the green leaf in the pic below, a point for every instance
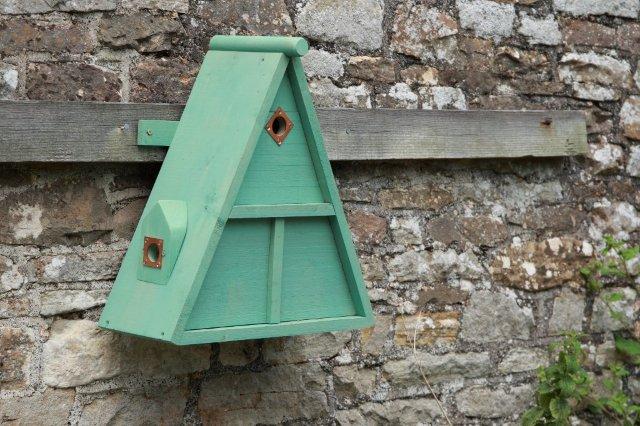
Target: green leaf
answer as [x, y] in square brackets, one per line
[630, 348]
[594, 285]
[586, 272]
[533, 416]
[614, 297]
[617, 315]
[629, 253]
[560, 409]
[567, 387]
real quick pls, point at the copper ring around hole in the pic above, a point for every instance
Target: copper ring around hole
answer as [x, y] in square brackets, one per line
[152, 252]
[279, 126]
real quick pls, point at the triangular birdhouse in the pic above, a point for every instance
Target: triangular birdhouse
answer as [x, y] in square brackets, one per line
[243, 235]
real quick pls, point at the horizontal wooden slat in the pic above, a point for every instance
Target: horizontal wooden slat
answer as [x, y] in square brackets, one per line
[281, 210]
[42, 131]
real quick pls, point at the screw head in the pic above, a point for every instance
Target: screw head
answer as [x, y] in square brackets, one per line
[149, 132]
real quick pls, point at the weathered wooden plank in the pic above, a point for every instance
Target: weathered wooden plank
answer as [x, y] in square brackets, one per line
[42, 131]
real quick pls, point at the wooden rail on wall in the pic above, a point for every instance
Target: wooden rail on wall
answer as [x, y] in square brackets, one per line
[42, 131]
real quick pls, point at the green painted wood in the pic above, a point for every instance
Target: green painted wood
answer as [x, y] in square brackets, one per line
[281, 210]
[166, 220]
[216, 136]
[276, 253]
[156, 132]
[262, 331]
[281, 174]
[339, 224]
[234, 290]
[290, 46]
[267, 250]
[314, 284]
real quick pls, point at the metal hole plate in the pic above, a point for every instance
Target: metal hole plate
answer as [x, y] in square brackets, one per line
[279, 126]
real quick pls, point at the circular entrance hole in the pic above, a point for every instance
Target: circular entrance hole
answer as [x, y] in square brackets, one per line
[153, 252]
[279, 125]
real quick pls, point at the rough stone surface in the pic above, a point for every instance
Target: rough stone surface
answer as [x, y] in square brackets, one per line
[78, 353]
[588, 33]
[429, 197]
[85, 5]
[487, 18]
[628, 36]
[351, 382]
[438, 368]
[478, 230]
[367, 228]
[415, 27]
[54, 405]
[399, 96]
[303, 348]
[518, 360]
[375, 338]
[16, 355]
[420, 74]
[63, 301]
[406, 230]
[262, 17]
[568, 311]
[19, 35]
[617, 219]
[409, 266]
[272, 396]
[480, 401]
[326, 94]
[630, 117]
[540, 31]
[438, 97]
[442, 295]
[593, 76]
[358, 22]
[162, 80]
[433, 328]
[70, 81]
[495, 317]
[180, 6]
[156, 406]
[237, 354]
[141, 31]
[8, 80]
[606, 157]
[633, 166]
[540, 265]
[625, 8]
[320, 63]
[372, 68]
[398, 412]
[18, 7]
[604, 320]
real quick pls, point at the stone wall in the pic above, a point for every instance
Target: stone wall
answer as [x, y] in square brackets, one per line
[474, 260]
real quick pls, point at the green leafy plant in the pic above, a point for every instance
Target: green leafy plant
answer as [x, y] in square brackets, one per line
[629, 348]
[616, 404]
[565, 385]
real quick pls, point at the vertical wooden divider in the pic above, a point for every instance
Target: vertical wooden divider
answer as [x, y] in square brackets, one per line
[276, 253]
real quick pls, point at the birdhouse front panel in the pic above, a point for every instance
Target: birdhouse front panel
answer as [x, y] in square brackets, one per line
[244, 235]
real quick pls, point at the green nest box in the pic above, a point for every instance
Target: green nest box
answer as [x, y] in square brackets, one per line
[244, 235]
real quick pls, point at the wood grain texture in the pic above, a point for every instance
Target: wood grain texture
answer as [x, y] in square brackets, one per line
[42, 131]
[281, 210]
